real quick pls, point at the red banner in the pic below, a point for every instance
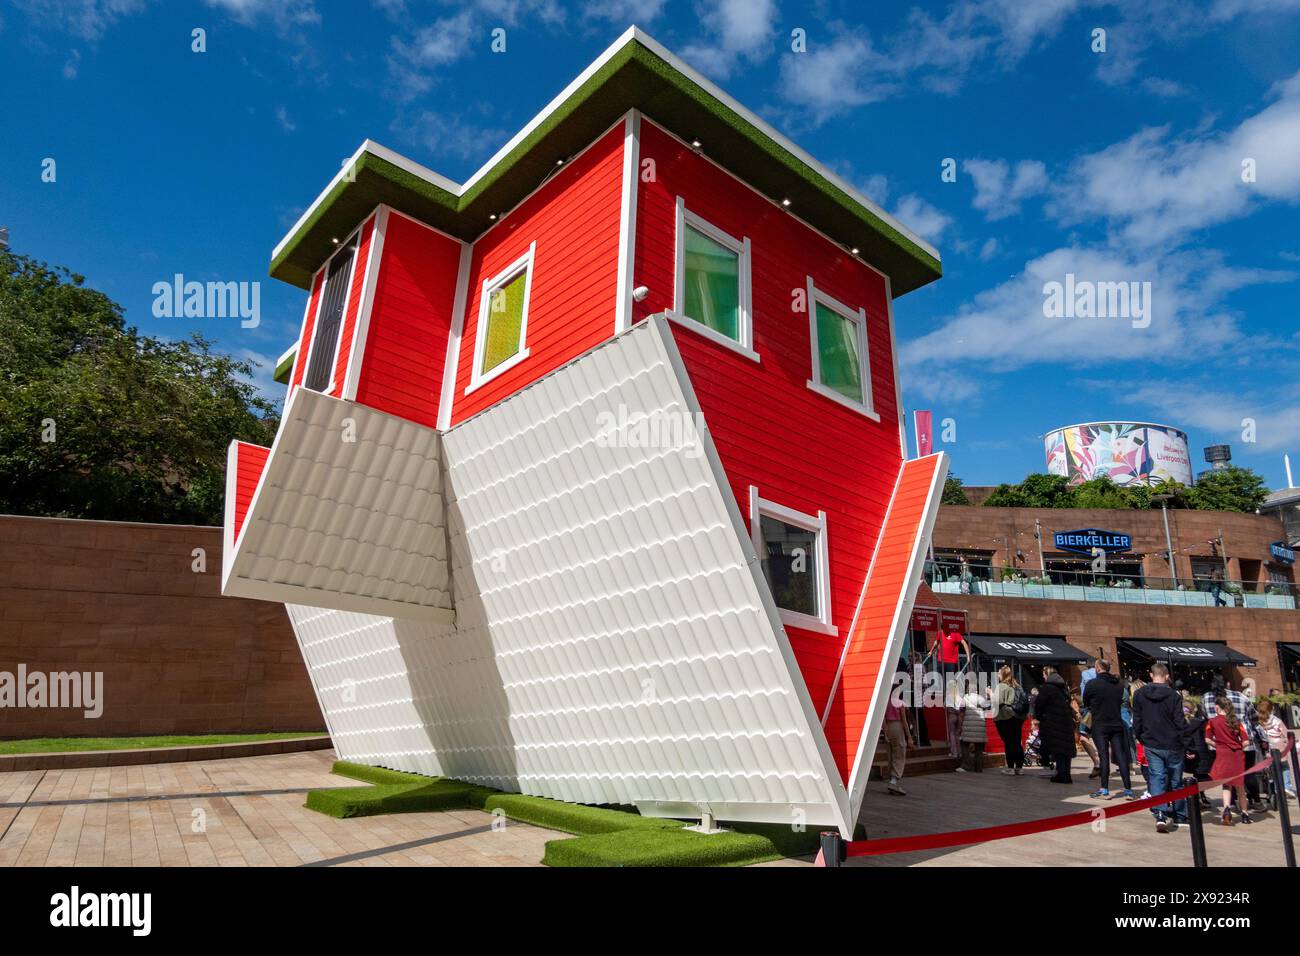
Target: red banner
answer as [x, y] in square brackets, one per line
[924, 434]
[953, 620]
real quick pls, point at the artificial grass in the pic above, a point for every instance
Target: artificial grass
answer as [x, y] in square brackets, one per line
[678, 847]
[604, 836]
[49, 745]
[573, 817]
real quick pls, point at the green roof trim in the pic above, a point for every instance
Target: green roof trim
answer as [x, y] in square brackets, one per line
[284, 367]
[634, 76]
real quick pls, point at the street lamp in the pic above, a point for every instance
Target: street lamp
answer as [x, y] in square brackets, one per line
[1169, 554]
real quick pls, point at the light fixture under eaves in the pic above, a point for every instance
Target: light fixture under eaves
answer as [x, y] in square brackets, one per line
[785, 203]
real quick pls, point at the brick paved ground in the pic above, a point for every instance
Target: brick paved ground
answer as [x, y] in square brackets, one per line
[952, 801]
[87, 823]
[97, 817]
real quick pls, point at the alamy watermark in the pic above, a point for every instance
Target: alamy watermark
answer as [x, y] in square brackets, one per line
[208, 300]
[655, 429]
[83, 690]
[1086, 299]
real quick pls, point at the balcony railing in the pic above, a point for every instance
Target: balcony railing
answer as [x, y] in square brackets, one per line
[1107, 587]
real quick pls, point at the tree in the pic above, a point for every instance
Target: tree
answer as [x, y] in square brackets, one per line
[1229, 489]
[1103, 493]
[98, 421]
[1036, 491]
[953, 493]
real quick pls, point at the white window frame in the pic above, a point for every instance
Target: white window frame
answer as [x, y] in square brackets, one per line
[822, 623]
[525, 262]
[859, 318]
[745, 320]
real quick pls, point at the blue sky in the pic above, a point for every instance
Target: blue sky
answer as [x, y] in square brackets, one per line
[1124, 165]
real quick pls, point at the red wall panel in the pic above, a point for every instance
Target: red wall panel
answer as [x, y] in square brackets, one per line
[353, 307]
[799, 448]
[308, 326]
[410, 321]
[574, 219]
[250, 460]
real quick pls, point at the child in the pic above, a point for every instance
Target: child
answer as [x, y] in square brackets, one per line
[974, 732]
[1229, 738]
[1275, 733]
[1033, 751]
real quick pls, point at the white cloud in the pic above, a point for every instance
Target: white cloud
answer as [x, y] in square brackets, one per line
[1220, 413]
[451, 135]
[925, 220]
[835, 77]
[1004, 328]
[85, 19]
[999, 189]
[282, 116]
[1156, 189]
[989, 250]
[284, 14]
[624, 12]
[736, 31]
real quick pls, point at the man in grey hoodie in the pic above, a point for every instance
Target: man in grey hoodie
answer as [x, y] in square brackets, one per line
[1158, 723]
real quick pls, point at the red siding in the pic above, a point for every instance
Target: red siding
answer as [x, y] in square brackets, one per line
[574, 219]
[800, 449]
[249, 461]
[406, 346]
[353, 307]
[308, 326]
[890, 578]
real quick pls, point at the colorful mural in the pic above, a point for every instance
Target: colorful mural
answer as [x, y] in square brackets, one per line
[1127, 452]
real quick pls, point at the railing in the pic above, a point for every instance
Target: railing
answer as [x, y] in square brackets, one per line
[1107, 587]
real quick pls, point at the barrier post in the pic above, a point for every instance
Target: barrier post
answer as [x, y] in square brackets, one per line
[1196, 825]
[833, 851]
[1283, 811]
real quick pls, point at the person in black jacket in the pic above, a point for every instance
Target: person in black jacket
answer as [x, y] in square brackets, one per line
[1158, 723]
[1197, 757]
[1055, 724]
[1103, 698]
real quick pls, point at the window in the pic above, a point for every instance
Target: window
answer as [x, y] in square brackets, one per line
[712, 294]
[793, 552]
[503, 320]
[323, 350]
[839, 352]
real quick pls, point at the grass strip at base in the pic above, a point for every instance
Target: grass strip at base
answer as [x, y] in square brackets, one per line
[392, 792]
[52, 745]
[604, 836]
[572, 817]
[649, 847]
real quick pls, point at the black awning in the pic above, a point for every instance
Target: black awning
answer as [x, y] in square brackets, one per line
[1290, 650]
[1203, 653]
[1028, 647]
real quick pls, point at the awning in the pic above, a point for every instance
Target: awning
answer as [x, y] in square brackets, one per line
[1028, 647]
[1290, 650]
[1202, 653]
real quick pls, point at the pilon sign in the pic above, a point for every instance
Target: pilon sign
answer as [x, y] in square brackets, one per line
[1084, 540]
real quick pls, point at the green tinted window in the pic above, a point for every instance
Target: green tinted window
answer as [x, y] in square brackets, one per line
[505, 319]
[712, 284]
[837, 350]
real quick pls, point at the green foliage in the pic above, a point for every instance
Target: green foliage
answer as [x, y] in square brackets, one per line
[661, 848]
[140, 425]
[51, 745]
[953, 493]
[572, 817]
[1229, 489]
[1036, 491]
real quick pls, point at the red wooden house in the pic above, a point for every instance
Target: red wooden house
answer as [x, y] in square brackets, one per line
[591, 480]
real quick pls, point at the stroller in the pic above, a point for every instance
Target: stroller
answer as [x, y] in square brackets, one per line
[1033, 750]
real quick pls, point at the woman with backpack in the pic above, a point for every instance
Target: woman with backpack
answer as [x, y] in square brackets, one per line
[1012, 707]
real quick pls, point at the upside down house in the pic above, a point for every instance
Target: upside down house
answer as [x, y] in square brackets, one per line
[591, 481]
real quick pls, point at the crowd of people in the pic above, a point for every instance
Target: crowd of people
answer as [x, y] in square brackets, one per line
[1153, 727]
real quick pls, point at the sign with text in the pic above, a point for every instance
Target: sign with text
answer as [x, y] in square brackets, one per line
[953, 621]
[1281, 551]
[925, 619]
[1083, 540]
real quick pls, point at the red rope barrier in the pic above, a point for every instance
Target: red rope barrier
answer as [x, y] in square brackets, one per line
[939, 841]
